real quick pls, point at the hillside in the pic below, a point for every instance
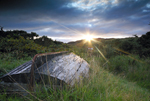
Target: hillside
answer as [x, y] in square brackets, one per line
[128, 58]
[119, 70]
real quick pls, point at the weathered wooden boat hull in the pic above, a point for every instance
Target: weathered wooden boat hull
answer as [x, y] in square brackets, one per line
[50, 68]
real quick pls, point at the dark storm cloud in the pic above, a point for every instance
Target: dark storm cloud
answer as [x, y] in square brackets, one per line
[20, 11]
[127, 17]
[55, 18]
[41, 14]
[126, 10]
[123, 9]
[31, 5]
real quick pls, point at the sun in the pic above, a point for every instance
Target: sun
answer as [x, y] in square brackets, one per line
[88, 37]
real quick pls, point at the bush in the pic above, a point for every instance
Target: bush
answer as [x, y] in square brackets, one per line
[130, 45]
[132, 68]
[20, 47]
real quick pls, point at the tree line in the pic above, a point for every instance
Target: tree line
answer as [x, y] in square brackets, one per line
[19, 43]
[16, 33]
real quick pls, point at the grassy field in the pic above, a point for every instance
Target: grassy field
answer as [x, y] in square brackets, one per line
[8, 63]
[119, 68]
[119, 79]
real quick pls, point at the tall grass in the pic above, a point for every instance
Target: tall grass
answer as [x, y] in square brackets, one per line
[7, 63]
[102, 84]
[132, 68]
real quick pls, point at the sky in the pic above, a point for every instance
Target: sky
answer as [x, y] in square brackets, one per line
[70, 20]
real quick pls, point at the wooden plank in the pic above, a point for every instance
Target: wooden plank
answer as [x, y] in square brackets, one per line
[66, 67]
[24, 68]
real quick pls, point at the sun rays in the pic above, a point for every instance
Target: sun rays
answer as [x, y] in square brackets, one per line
[88, 37]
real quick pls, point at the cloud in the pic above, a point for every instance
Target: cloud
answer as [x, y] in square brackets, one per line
[125, 10]
[71, 18]
[27, 10]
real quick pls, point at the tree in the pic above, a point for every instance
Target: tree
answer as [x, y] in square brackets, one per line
[135, 36]
[33, 34]
[144, 40]
[44, 41]
[1, 28]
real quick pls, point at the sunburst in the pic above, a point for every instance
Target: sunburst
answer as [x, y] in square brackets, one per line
[88, 37]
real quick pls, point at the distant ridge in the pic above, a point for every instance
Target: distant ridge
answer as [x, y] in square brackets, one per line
[97, 39]
[80, 41]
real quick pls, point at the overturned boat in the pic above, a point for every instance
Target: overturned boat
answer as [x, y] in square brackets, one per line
[56, 68]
